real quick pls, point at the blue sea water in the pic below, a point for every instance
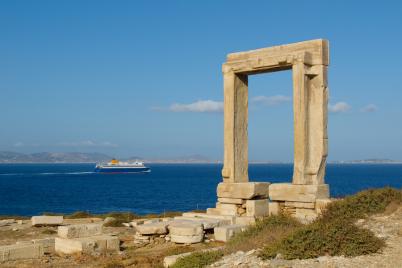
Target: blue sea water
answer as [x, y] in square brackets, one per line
[31, 189]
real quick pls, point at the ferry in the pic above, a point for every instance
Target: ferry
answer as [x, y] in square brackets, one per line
[116, 166]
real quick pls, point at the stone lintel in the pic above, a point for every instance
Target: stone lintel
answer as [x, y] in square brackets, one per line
[298, 192]
[264, 64]
[243, 190]
[319, 49]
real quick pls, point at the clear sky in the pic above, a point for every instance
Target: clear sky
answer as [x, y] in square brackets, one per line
[143, 78]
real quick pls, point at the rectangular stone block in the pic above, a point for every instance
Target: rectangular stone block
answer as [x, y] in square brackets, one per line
[257, 208]
[305, 215]
[321, 205]
[299, 204]
[298, 192]
[231, 200]
[227, 209]
[22, 251]
[87, 244]
[219, 211]
[48, 244]
[224, 233]
[274, 208]
[206, 222]
[80, 230]
[153, 228]
[243, 190]
[46, 220]
[6, 222]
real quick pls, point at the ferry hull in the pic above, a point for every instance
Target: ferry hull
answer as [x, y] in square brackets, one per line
[121, 170]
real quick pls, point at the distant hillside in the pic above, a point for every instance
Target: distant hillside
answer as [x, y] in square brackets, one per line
[76, 157]
[369, 161]
[45, 157]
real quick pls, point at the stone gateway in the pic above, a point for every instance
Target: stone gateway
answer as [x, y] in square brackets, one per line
[309, 63]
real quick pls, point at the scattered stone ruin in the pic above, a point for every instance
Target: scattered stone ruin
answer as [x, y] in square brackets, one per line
[308, 193]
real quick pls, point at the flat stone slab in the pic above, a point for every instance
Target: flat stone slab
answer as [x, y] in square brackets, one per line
[80, 230]
[48, 244]
[298, 192]
[187, 239]
[209, 216]
[186, 228]
[21, 251]
[46, 220]
[224, 233]
[153, 228]
[6, 222]
[135, 223]
[207, 223]
[87, 244]
[243, 190]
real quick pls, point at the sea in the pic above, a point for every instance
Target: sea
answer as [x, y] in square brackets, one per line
[33, 189]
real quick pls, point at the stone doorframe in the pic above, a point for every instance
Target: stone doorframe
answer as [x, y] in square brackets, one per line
[309, 62]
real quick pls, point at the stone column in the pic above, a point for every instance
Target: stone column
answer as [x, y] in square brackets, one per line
[317, 122]
[235, 167]
[310, 123]
[300, 114]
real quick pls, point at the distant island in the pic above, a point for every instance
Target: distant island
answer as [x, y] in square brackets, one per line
[369, 161]
[79, 157]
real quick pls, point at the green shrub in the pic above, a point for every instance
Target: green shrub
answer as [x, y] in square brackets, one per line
[79, 215]
[265, 231]
[362, 204]
[334, 232]
[325, 238]
[198, 259]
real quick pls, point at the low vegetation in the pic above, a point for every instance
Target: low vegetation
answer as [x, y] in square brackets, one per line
[199, 259]
[49, 231]
[265, 231]
[333, 233]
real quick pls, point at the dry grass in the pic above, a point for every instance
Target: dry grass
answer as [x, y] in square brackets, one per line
[265, 231]
[334, 232]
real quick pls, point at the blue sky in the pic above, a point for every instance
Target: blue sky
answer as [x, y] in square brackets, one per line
[143, 78]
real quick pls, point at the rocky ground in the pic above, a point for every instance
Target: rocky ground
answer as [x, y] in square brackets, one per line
[131, 254]
[387, 226]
